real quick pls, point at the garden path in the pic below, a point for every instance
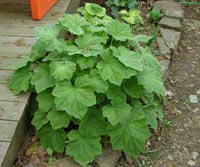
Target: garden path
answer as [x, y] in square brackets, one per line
[16, 39]
[182, 146]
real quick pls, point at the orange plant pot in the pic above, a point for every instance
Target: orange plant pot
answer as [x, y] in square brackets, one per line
[40, 7]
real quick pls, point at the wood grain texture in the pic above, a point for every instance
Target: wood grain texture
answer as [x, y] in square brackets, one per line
[7, 95]
[11, 111]
[14, 51]
[7, 130]
[5, 76]
[17, 41]
[3, 150]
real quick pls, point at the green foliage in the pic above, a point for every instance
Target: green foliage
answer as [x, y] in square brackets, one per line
[155, 15]
[99, 80]
[132, 16]
[117, 5]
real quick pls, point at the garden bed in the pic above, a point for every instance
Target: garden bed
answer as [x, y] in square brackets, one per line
[32, 151]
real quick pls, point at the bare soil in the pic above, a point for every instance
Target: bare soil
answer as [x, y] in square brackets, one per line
[181, 141]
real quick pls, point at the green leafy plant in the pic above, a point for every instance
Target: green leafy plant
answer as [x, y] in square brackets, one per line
[155, 15]
[50, 153]
[132, 16]
[97, 81]
[117, 5]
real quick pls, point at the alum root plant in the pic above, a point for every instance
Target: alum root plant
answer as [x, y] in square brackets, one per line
[97, 81]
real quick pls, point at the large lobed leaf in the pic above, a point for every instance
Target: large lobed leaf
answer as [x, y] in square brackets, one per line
[20, 81]
[45, 100]
[74, 23]
[112, 70]
[130, 136]
[87, 45]
[58, 119]
[129, 58]
[62, 70]
[83, 148]
[50, 36]
[118, 112]
[73, 99]
[119, 31]
[42, 79]
[54, 139]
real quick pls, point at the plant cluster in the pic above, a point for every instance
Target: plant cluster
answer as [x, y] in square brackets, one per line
[131, 17]
[155, 15]
[117, 5]
[98, 81]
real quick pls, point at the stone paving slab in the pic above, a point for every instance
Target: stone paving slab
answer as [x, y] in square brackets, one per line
[171, 37]
[171, 23]
[170, 8]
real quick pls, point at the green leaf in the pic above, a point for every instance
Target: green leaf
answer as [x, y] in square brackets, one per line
[150, 61]
[54, 139]
[39, 119]
[119, 31]
[49, 35]
[86, 62]
[38, 50]
[115, 92]
[131, 136]
[142, 38]
[54, 56]
[62, 70]
[93, 82]
[74, 100]
[83, 148]
[151, 80]
[41, 78]
[89, 45]
[22, 62]
[152, 111]
[93, 123]
[74, 23]
[94, 9]
[45, 100]
[20, 80]
[147, 97]
[118, 112]
[132, 88]
[58, 119]
[111, 69]
[151, 116]
[129, 58]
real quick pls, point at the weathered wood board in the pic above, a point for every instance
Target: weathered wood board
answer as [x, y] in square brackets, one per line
[7, 130]
[17, 35]
[3, 150]
[11, 111]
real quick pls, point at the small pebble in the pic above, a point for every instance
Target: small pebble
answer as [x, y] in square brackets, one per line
[195, 155]
[170, 157]
[193, 99]
[185, 149]
[191, 163]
